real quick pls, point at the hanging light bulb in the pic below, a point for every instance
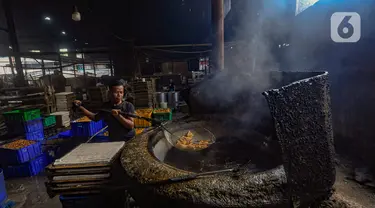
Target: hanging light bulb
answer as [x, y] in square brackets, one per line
[76, 16]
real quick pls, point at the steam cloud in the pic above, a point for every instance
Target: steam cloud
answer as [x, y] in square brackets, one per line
[248, 63]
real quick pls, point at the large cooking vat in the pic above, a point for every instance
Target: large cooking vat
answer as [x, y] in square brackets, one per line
[288, 142]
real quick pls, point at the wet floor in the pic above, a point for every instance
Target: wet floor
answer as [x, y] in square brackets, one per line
[30, 193]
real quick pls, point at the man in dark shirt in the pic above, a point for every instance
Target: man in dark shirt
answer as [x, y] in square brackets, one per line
[120, 128]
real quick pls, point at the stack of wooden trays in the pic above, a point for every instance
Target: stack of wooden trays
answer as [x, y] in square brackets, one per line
[144, 94]
[88, 169]
[64, 101]
[62, 118]
[97, 96]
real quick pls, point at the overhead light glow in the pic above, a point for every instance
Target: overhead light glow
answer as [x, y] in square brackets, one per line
[10, 47]
[63, 51]
[35, 51]
[76, 16]
[86, 43]
[47, 18]
[63, 32]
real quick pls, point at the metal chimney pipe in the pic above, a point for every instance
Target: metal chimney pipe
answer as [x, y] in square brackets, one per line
[217, 12]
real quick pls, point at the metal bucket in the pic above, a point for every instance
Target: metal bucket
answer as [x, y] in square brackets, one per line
[161, 97]
[173, 99]
[3, 191]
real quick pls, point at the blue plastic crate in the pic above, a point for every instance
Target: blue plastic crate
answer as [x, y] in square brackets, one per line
[81, 201]
[36, 136]
[85, 129]
[65, 134]
[7, 204]
[108, 199]
[30, 168]
[100, 139]
[3, 191]
[18, 127]
[18, 156]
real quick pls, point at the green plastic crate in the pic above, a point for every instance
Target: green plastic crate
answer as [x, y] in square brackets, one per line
[162, 116]
[22, 115]
[49, 121]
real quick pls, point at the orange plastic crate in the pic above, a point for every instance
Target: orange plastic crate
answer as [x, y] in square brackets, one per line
[141, 123]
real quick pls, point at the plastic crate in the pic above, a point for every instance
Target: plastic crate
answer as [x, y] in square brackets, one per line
[49, 121]
[85, 129]
[18, 156]
[7, 204]
[36, 136]
[65, 134]
[167, 116]
[31, 168]
[100, 139]
[22, 115]
[18, 127]
[3, 191]
[141, 123]
[109, 199]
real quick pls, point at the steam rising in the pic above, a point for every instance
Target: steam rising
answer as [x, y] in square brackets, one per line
[248, 65]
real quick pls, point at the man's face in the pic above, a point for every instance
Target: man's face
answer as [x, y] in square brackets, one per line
[117, 93]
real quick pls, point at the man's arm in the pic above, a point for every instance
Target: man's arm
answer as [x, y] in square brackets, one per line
[127, 122]
[86, 112]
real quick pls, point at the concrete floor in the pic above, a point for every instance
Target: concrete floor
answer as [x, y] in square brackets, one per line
[31, 192]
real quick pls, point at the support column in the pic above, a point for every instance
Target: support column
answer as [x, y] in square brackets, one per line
[84, 70]
[60, 64]
[217, 12]
[43, 68]
[93, 66]
[111, 64]
[20, 80]
[74, 70]
[11, 65]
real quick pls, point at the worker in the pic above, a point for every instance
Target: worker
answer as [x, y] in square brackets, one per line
[120, 128]
[171, 86]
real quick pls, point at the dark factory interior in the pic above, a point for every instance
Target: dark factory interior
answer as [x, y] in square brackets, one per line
[187, 103]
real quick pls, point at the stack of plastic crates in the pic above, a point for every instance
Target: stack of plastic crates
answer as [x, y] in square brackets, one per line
[26, 122]
[142, 123]
[49, 124]
[3, 191]
[23, 158]
[162, 114]
[84, 127]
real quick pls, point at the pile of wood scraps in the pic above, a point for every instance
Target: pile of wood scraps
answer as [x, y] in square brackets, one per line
[88, 169]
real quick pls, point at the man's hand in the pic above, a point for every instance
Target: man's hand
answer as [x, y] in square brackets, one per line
[77, 103]
[115, 112]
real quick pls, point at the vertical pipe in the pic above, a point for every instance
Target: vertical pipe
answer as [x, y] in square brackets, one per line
[12, 35]
[217, 12]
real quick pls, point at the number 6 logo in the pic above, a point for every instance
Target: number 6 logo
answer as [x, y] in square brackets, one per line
[345, 27]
